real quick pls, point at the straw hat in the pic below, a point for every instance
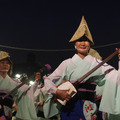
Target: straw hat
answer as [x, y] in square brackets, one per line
[94, 53]
[5, 55]
[82, 30]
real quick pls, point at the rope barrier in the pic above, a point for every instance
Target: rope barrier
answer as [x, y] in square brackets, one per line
[101, 46]
[54, 50]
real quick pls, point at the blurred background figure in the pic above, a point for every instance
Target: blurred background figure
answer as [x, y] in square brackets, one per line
[47, 71]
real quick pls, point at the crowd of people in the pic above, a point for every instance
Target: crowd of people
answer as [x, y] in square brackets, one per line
[54, 96]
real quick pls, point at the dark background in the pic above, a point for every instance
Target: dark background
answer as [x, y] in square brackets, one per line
[41, 30]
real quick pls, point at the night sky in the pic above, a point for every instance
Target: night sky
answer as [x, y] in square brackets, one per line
[49, 25]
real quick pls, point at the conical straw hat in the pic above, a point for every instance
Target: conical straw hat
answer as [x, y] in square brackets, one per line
[94, 53]
[82, 30]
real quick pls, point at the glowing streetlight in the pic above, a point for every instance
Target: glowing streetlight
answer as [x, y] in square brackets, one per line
[17, 75]
[31, 83]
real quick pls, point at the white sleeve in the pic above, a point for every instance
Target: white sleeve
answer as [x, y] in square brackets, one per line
[55, 76]
[111, 73]
[118, 73]
[119, 65]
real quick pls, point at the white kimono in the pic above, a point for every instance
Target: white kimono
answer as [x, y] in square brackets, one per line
[73, 69]
[26, 108]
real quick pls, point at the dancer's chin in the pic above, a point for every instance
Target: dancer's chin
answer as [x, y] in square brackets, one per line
[3, 70]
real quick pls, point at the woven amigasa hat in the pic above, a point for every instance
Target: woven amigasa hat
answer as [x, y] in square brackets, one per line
[82, 30]
[5, 55]
[94, 53]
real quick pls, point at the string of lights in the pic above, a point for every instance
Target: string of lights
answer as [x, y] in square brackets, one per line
[54, 50]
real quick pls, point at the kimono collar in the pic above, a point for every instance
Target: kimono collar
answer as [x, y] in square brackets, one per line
[4, 78]
[76, 56]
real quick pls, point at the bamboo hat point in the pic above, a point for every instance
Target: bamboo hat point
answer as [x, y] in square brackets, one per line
[82, 30]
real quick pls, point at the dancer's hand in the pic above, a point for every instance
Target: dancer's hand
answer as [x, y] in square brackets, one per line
[63, 94]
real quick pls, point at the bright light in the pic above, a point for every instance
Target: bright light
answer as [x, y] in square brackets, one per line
[31, 83]
[17, 75]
